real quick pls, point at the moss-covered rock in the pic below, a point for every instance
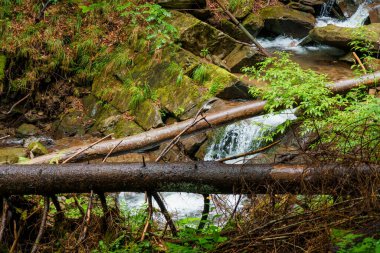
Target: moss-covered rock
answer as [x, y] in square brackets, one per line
[26, 130]
[231, 29]
[148, 115]
[11, 155]
[282, 20]
[72, 123]
[341, 36]
[196, 35]
[243, 56]
[242, 8]
[253, 23]
[3, 60]
[37, 148]
[301, 7]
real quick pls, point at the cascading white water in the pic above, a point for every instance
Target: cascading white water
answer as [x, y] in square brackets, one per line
[356, 20]
[236, 138]
[245, 135]
[327, 7]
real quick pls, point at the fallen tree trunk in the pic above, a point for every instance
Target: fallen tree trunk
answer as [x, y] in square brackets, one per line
[200, 177]
[157, 136]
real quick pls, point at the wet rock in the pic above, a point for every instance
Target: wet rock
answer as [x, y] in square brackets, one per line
[148, 115]
[348, 7]
[72, 123]
[196, 35]
[348, 58]
[282, 20]
[301, 7]
[243, 8]
[37, 148]
[192, 144]
[26, 130]
[243, 56]
[253, 23]
[374, 12]
[182, 4]
[11, 155]
[340, 37]
[3, 60]
[230, 28]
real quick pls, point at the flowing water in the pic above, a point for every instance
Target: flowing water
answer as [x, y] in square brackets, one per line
[356, 20]
[237, 138]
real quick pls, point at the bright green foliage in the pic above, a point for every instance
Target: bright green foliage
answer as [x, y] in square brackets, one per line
[201, 74]
[140, 94]
[193, 242]
[348, 242]
[348, 124]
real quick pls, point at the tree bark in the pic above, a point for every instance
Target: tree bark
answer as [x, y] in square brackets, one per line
[199, 177]
[157, 136]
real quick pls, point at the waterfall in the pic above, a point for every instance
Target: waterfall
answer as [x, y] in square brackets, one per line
[355, 20]
[327, 7]
[245, 135]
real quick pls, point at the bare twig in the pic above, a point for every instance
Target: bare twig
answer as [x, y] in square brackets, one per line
[4, 137]
[42, 11]
[249, 153]
[236, 22]
[3, 218]
[84, 149]
[149, 217]
[109, 153]
[103, 202]
[60, 215]
[76, 201]
[165, 212]
[205, 212]
[17, 103]
[16, 237]
[87, 219]
[42, 226]
[360, 62]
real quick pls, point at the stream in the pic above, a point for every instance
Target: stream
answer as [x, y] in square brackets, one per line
[245, 135]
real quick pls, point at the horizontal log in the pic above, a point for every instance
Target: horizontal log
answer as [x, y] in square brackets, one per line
[157, 136]
[199, 177]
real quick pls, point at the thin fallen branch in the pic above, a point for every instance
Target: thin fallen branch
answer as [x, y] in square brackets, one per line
[42, 226]
[86, 148]
[103, 202]
[249, 153]
[111, 151]
[205, 212]
[4, 218]
[80, 208]
[87, 219]
[42, 11]
[360, 62]
[237, 23]
[166, 214]
[17, 103]
[60, 214]
[149, 217]
[4, 137]
[16, 237]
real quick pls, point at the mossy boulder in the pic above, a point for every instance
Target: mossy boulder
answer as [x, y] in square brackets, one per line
[72, 123]
[253, 23]
[230, 28]
[26, 130]
[37, 148]
[11, 155]
[242, 8]
[148, 115]
[196, 35]
[282, 20]
[3, 60]
[243, 56]
[301, 7]
[340, 37]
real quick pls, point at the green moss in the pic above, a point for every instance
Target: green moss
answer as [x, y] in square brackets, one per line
[3, 60]
[11, 155]
[282, 12]
[37, 148]
[148, 115]
[125, 128]
[254, 23]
